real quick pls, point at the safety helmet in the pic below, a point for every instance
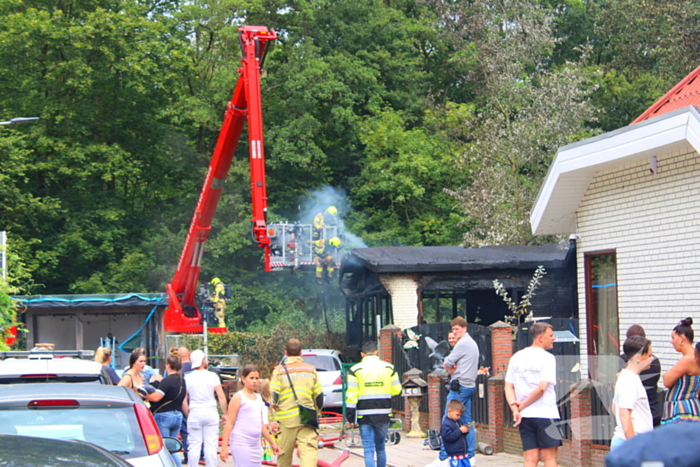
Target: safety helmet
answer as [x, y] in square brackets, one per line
[216, 281]
[332, 210]
[335, 241]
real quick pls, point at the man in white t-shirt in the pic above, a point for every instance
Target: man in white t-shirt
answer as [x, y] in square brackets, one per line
[530, 382]
[631, 402]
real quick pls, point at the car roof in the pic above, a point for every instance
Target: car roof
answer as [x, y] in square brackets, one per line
[331, 352]
[59, 366]
[31, 451]
[88, 394]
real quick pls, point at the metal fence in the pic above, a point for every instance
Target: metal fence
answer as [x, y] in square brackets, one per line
[401, 365]
[431, 347]
[480, 401]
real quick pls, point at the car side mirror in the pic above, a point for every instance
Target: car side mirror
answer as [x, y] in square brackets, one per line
[172, 445]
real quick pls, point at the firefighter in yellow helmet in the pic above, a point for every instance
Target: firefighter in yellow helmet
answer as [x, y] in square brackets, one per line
[322, 219]
[218, 296]
[324, 253]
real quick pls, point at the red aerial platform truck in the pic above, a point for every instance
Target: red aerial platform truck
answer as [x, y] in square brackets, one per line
[183, 313]
[286, 246]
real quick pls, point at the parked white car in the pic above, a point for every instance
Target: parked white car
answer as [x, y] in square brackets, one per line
[44, 367]
[327, 363]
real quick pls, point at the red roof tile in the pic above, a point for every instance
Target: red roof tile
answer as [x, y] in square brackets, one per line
[683, 94]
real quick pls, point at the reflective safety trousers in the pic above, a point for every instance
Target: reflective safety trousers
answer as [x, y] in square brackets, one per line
[371, 384]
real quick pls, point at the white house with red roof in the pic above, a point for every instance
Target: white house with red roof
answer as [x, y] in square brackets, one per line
[631, 199]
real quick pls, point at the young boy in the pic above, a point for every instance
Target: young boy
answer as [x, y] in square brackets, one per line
[631, 404]
[454, 436]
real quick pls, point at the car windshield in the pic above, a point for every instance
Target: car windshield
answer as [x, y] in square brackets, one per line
[322, 362]
[115, 429]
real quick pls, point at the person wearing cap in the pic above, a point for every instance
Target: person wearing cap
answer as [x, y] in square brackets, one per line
[203, 389]
[328, 217]
[323, 257]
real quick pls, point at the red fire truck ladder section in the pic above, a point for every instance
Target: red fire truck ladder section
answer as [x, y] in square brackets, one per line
[183, 314]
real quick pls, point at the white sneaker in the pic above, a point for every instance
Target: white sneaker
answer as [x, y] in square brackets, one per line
[472, 461]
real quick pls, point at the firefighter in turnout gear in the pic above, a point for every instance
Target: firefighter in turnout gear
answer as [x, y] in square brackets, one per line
[219, 299]
[371, 385]
[307, 387]
[322, 219]
[324, 253]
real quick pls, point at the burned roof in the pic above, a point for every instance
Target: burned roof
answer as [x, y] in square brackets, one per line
[406, 259]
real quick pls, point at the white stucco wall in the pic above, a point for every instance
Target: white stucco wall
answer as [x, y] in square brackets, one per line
[404, 299]
[652, 221]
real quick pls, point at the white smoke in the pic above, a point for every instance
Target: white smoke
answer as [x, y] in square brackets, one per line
[318, 201]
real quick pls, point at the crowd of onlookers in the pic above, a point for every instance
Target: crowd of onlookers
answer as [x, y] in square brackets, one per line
[283, 410]
[184, 402]
[530, 392]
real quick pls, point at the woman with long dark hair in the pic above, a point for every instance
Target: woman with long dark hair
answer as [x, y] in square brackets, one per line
[683, 379]
[132, 377]
[166, 401]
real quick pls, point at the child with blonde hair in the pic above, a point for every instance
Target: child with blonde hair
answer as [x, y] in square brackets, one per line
[266, 393]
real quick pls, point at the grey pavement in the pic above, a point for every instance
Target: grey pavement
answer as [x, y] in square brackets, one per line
[408, 452]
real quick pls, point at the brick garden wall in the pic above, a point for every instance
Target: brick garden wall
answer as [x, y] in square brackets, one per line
[499, 433]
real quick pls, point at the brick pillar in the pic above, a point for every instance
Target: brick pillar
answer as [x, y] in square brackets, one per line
[385, 341]
[435, 379]
[497, 415]
[501, 346]
[581, 422]
[413, 372]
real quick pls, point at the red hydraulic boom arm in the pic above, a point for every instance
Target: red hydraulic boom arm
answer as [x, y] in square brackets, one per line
[182, 314]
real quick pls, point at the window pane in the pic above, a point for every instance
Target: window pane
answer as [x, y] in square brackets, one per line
[602, 315]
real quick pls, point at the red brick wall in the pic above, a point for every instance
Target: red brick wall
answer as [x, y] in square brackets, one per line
[434, 419]
[501, 346]
[385, 341]
[598, 454]
[496, 412]
[511, 441]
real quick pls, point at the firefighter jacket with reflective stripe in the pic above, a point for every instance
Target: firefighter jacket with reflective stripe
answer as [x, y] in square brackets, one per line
[219, 294]
[371, 384]
[323, 249]
[306, 385]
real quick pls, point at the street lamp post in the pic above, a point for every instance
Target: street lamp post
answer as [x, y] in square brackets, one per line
[18, 120]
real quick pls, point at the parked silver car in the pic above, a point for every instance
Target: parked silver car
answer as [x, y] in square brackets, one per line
[112, 417]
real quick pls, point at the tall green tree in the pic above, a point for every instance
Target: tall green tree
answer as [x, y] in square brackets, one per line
[525, 110]
[98, 74]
